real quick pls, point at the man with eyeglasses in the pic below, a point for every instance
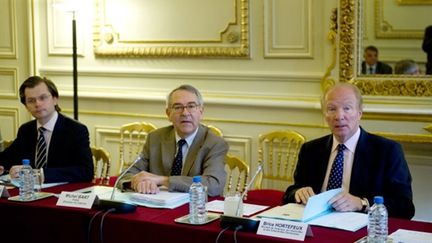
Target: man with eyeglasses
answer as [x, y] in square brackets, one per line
[172, 155]
[52, 142]
[364, 165]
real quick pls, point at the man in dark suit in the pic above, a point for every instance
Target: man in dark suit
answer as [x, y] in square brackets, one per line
[427, 47]
[372, 165]
[202, 152]
[371, 65]
[65, 155]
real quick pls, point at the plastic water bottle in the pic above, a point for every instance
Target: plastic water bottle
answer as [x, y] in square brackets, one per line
[378, 224]
[198, 199]
[26, 189]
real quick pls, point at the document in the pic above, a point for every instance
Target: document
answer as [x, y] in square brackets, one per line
[316, 206]
[162, 198]
[319, 212]
[248, 209]
[411, 236]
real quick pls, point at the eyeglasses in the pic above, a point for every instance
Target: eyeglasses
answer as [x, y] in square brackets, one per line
[191, 107]
[42, 98]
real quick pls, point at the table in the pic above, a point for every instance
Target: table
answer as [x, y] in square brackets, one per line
[43, 221]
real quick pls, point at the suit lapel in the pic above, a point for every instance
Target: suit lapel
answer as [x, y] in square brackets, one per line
[55, 139]
[358, 178]
[193, 150]
[168, 148]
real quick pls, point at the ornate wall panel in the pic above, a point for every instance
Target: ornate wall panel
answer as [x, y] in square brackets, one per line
[9, 83]
[288, 29]
[8, 26]
[59, 29]
[9, 122]
[165, 28]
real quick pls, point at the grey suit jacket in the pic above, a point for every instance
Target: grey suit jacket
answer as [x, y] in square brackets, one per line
[206, 157]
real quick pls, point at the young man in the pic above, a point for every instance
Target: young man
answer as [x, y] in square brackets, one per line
[370, 165]
[172, 155]
[52, 142]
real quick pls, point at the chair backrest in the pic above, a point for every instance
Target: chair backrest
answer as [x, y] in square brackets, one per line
[278, 153]
[7, 143]
[132, 139]
[102, 163]
[215, 130]
[237, 174]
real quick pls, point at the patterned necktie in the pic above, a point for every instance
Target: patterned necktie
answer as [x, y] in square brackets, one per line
[178, 160]
[335, 179]
[41, 149]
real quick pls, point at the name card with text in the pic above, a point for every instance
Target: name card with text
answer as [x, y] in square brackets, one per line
[284, 229]
[76, 200]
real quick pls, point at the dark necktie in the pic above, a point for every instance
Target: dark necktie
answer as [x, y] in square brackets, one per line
[335, 179]
[178, 160]
[41, 149]
[371, 70]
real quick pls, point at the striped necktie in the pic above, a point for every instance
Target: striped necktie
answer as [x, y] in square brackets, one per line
[41, 149]
[335, 179]
[178, 161]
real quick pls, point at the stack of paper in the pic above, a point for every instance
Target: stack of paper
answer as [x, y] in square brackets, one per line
[162, 198]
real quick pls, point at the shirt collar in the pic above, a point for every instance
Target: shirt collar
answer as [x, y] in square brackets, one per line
[51, 123]
[351, 143]
[189, 139]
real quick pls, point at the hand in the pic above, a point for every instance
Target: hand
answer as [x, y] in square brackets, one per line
[345, 202]
[303, 194]
[14, 171]
[1, 170]
[149, 177]
[147, 187]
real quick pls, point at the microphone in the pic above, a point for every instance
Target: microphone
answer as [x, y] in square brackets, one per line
[119, 206]
[241, 223]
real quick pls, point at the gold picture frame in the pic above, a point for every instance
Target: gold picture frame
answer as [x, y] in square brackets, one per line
[381, 85]
[219, 28]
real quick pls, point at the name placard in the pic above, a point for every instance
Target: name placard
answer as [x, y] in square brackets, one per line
[284, 229]
[76, 200]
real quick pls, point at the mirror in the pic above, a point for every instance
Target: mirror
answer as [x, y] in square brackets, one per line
[363, 23]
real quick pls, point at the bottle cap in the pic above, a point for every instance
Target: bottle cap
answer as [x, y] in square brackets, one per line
[196, 179]
[378, 200]
[25, 162]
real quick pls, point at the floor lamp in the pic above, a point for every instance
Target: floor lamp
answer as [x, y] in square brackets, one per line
[75, 67]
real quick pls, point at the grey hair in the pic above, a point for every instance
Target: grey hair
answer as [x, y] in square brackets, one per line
[188, 88]
[354, 88]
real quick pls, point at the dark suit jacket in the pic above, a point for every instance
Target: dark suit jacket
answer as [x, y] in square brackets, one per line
[69, 154]
[379, 169]
[206, 157]
[381, 68]
[427, 47]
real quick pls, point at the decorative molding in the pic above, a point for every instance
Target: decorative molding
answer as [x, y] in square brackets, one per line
[428, 128]
[301, 49]
[410, 138]
[327, 82]
[385, 29]
[414, 2]
[11, 83]
[382, 85]
[233, 40]
[59, 31]
[9, 51]
[11, 113]
[396, 86]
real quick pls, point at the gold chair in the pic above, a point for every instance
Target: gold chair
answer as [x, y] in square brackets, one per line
[215, 130]
[132, 138]
[101, 162]
[278, 153]
[237, 174]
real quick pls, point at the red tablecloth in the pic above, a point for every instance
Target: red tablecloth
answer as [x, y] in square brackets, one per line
[43, 221]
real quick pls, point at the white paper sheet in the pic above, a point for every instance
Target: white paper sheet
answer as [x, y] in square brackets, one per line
[248, 209]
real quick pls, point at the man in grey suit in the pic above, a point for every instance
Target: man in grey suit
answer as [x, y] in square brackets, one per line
[201, 151]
